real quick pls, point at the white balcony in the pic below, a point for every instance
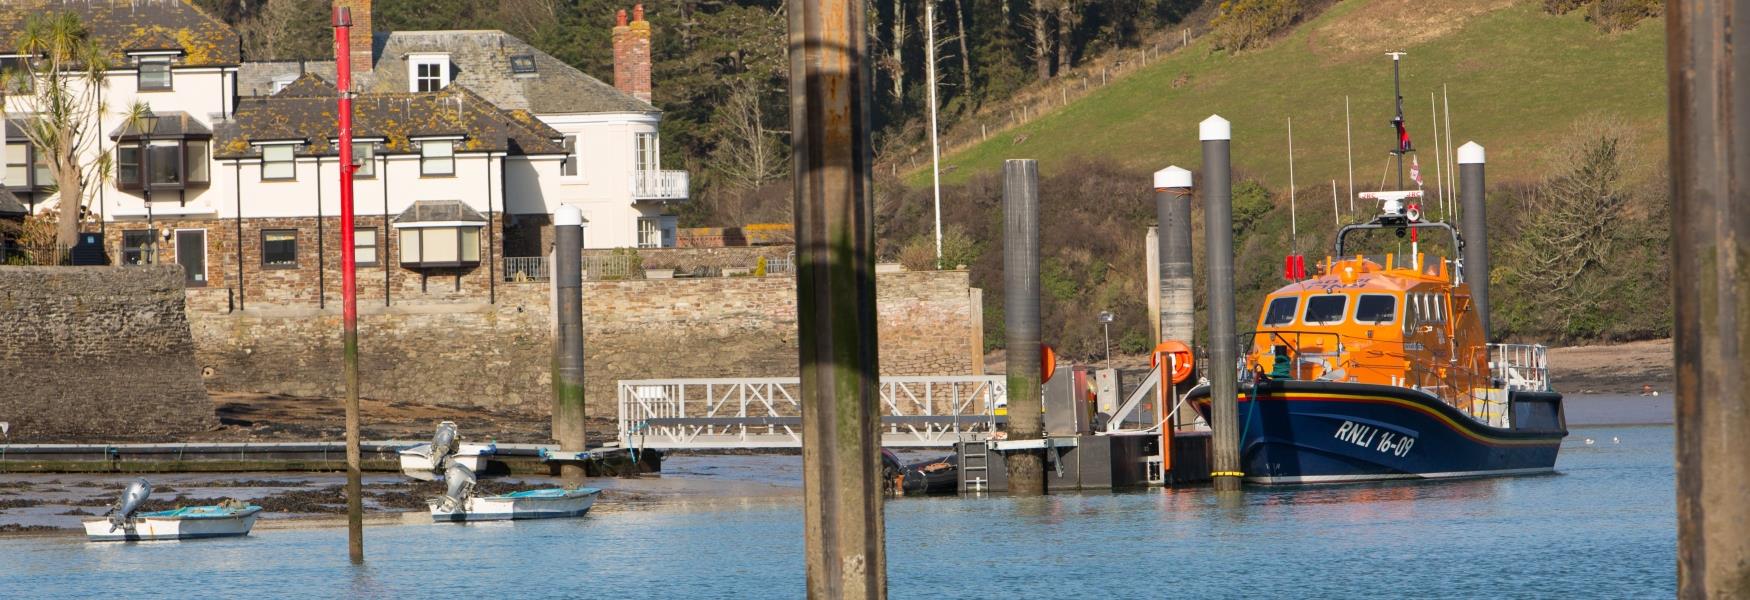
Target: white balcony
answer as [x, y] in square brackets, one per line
[659, 185]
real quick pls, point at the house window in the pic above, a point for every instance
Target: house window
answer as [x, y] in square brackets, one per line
[572, 156]
[281, 83]
[364, 155]
[437, 158]
[522, 64]
[18, 165]
[278, 162]
[279, 248]
[649, 232]
[440, 246]
[364, 247]
[647, 159]
[134, 246]
[170, 164]
[428, 73]
[154, 74]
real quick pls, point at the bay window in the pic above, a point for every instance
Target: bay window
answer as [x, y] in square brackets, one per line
[440, 246]
[170, 164]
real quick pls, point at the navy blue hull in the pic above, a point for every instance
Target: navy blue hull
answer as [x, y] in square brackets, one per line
[1312, 432]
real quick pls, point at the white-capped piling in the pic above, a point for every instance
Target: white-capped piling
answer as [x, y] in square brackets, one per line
[568, 401]
[1217, 134]
[1474, 221]
[1173, 211]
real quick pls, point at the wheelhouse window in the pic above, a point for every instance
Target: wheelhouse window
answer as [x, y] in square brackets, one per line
[1325, 310]
[437, 158]
[171, 164]
[279, 248]
[1376, 309]
[154, 73]
[1280, 311]
[279, 162]
[364, 245]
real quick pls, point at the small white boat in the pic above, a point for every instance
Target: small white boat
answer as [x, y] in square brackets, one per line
[416, 462]
[228, 519]
[549, 503]
[186, 523]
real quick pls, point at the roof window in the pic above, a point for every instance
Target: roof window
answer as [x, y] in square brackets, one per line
[522, 64]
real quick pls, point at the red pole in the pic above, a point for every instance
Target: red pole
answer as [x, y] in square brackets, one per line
[355, 525]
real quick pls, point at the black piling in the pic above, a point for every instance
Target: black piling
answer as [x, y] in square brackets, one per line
[1021, 319]
[568, 401]
[1710, 251]
[1216, 135]
[1471, 193]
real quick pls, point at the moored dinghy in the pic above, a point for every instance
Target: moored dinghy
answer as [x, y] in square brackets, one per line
[460, 504]
[123, 523]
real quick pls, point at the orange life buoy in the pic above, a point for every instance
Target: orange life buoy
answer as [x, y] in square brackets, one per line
[1182, 359]
[1049, 358]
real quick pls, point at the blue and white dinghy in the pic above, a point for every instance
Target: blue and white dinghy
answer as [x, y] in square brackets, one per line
[124, 523]
[460, 503]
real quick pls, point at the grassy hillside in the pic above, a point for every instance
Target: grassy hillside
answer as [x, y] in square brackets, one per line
[1518, 79]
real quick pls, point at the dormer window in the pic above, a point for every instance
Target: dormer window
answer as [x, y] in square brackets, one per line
[437, 157]
[522, 64]
[279, 160]
[428, 72]
[153, 69]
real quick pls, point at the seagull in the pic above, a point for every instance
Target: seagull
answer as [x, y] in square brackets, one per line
[1588, 441]
[1615, 440]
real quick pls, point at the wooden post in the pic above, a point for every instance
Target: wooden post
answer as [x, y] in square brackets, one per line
[1021, 316]
[844, 547]
[1710, 177]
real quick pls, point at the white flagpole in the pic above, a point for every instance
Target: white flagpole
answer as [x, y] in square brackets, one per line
[1439, 160]
[1349, 140]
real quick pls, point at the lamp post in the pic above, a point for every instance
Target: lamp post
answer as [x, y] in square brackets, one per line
[1106, 330]
[148, 124]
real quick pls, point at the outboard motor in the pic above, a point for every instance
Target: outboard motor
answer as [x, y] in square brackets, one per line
[443, 444]
[461, 483]
[131, 499]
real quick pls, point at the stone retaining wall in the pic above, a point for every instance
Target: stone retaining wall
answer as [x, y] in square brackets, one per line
[97, 352]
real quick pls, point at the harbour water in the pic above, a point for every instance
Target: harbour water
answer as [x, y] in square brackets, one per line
[1602, 527]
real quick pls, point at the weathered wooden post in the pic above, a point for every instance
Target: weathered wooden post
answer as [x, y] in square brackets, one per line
[355, 515]
[1710, 256]
[1216, 135]
[568, 398]
[1476, 232]
[1021, 320]
[1152, 258]
[835, 300]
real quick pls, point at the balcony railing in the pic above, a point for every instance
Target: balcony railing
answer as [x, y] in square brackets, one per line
[659, 185]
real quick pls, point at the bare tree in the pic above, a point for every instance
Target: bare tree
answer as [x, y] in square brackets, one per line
[960, 36]
[896, 62]
[747, 154]
[1041, 24]
[60, 105]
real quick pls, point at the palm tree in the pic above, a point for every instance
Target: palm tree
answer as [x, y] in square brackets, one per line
[60, 104]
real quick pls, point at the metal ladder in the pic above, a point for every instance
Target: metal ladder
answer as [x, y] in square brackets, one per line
[975, 468]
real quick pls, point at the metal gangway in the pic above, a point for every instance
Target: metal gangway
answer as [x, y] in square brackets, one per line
[766, 412]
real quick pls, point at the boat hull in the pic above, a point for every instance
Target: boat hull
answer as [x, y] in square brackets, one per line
[416, 461]
[509, 507]
[148, 527]
[1326, 432]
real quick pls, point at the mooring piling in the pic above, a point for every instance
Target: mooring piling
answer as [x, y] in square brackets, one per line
[1709, 106]
[568, 400]
[1152, 260]
[1217, 134]
[1472, 194]
[1021, 319]
[843, 528]
[355, 506]
[1173, 212]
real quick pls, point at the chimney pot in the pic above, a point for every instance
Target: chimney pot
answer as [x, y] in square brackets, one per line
[632, 54]
[638, 12]
[620, 18]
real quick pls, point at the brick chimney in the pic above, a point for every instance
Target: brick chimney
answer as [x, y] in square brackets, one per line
[632, 54]
[362, 50]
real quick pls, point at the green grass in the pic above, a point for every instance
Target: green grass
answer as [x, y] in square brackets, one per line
[1518, 79]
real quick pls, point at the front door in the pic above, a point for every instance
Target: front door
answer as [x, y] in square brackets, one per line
[191, 253]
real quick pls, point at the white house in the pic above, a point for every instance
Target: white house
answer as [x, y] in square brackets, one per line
[238, 179]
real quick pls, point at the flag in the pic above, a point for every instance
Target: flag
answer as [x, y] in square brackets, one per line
[1416, 170]
[1403, 136]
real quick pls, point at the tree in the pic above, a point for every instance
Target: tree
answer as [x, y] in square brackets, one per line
[60, 106]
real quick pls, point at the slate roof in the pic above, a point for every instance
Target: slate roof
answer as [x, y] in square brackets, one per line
[10, 206]
[305, 111]
[439, 211]
[171, 124]
[123, 25]
[480, 60]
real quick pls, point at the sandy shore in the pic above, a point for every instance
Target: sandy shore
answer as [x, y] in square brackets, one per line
[1613, 369]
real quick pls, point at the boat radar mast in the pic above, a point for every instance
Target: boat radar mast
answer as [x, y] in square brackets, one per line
[1403, 146]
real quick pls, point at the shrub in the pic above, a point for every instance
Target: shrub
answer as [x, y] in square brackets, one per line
[919, 254]
[1242, 24]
